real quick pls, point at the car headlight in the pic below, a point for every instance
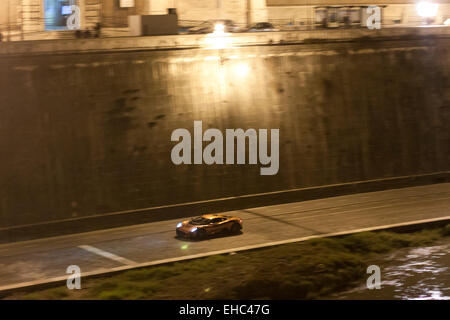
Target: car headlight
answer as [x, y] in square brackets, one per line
[180, 225]
[194, 229]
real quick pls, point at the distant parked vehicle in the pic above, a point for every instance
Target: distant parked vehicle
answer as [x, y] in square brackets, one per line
[211, 26]
[262, 27]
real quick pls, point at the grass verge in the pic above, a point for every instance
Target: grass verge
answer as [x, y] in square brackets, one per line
[304, 270]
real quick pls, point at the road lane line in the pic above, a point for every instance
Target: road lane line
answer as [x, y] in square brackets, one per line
[5, 249]
[179, 205]
[97, 272]
[319, 215]
[107, 254]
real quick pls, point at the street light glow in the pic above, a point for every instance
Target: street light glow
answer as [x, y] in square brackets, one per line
[219, 29]
[241, 70]
[427, 9]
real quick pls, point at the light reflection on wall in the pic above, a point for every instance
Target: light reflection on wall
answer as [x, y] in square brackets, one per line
[217, 41]
[216, 79]
[241, 70]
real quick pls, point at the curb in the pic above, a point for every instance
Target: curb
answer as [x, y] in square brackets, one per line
[180, 42]
[58, 281]
[161, 213]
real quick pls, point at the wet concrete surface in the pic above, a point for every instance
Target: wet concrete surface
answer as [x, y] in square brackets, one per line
[38, 260]
[409, 274]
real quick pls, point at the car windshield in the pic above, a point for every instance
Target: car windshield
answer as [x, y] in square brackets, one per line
[200, 221]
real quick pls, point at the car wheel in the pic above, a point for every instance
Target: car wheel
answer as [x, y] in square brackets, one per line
[235, 228]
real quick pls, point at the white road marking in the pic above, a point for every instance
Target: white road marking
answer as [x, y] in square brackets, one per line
[321, 215]
[107, 254]
[179, 205]
[206, 254]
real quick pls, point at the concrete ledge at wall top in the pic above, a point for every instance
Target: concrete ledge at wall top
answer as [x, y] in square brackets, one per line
[206, 41]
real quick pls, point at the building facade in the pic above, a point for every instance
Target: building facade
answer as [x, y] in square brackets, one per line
[242, 12]
[50, 15]
[402, 12]
[28, 16]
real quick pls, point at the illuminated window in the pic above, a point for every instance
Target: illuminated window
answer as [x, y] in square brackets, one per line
[56, 13]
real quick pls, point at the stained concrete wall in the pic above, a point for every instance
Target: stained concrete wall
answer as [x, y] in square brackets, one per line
[90, 133]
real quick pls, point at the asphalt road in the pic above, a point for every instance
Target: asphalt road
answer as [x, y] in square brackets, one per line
[119, 248]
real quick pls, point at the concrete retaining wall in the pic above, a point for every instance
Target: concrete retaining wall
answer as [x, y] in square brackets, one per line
[88, 134]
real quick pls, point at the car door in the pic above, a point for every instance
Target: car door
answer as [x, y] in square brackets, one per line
[216, 225]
